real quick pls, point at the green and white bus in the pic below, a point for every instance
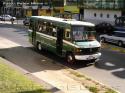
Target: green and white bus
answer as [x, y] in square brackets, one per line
[68, 38]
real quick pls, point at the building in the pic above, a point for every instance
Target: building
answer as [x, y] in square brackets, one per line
[42, 7]
[22, 8]
[12, 7]
[101, 10]
[7, 7]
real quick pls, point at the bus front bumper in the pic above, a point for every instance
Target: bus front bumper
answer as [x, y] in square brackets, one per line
[88, 57]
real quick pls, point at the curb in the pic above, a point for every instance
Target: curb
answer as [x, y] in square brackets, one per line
[85, 76]
[91, 79]
[33, 78]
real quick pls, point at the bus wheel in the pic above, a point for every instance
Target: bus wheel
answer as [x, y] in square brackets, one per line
[70, 58]
[39, 46]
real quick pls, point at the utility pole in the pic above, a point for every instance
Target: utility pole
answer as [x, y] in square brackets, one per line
[1, 5]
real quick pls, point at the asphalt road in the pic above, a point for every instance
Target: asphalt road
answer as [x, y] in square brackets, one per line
[110, 70]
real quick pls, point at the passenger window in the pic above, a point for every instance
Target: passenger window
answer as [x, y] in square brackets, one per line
[44, 27]
[67, 34]
[40, 27]
[54, 32]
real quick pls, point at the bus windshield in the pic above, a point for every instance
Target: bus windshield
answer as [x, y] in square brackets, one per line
[85, 33]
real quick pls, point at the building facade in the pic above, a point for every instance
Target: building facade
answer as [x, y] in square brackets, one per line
[12, 7]
[22, 8]
[101, 10]
[42, 7]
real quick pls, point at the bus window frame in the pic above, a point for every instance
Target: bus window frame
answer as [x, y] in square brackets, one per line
[86, 38]
[67, 31]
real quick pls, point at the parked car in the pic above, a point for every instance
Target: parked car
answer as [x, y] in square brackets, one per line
[26, 21]
[118, 37]
[7, 18]
[104, 28]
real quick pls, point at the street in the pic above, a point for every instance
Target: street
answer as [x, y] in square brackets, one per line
[110, 70]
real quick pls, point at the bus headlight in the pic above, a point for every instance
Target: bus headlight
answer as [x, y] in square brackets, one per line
[77, 50]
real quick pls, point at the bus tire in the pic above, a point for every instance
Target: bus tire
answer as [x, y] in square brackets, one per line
[70, 59]
[39, 46]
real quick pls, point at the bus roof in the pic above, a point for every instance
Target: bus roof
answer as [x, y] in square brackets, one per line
[65, 21]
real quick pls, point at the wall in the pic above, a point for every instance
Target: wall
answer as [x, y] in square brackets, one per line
[89, 15]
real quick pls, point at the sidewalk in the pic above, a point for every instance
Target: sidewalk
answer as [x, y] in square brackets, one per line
[56, 82]
[43, 70]
[20, 22]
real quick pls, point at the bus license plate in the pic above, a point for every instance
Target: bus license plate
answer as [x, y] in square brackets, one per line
[90, 57]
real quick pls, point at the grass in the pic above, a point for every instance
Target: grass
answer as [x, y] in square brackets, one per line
[12, 81]
[73, 9]
[110, 91]
[76, 74]
[93, 89]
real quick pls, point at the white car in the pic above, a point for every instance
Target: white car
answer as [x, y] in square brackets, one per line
[118, 37]
[7, 18]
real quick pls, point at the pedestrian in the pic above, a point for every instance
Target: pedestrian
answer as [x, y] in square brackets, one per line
[12, 20]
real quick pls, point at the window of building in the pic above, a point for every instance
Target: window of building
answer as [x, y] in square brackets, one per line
[101, 15]
[95, 14]
[108, 16]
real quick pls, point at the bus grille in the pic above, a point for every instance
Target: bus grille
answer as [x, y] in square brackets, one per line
[89, 51]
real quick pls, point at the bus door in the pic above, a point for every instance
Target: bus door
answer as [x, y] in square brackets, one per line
[59, 41]
[34, 33]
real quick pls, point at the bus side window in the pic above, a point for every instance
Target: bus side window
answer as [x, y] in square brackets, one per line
[44, 27]
[39, 28]
[54, 31]
[67, 34]
[49, 28]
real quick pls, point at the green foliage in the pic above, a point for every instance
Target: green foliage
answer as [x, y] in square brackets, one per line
[93, 89]
[13, 82]
[72, 9]
[110, 91]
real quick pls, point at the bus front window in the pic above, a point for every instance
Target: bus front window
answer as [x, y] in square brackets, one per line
[81, 33]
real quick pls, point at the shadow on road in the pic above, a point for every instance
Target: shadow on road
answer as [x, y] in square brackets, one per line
[61, 60]
[33, 61]
[29, 59]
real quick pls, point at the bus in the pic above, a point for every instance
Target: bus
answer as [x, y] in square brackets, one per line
[74, 40]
